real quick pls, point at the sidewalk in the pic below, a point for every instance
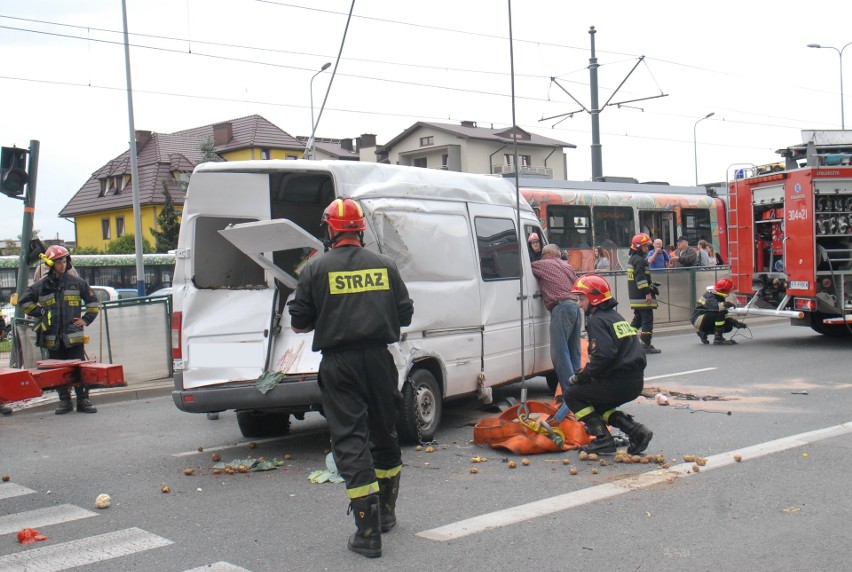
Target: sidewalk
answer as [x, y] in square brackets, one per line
[136, 390]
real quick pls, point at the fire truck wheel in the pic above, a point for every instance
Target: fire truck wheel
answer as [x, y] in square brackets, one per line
[263, 423]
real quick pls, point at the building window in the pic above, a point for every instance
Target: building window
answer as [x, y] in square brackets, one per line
[119, 226]
[525, 160]
[292, 157]
[420, 162]
[427, 141]
[105, 229]
[445, 159]
[264, 154]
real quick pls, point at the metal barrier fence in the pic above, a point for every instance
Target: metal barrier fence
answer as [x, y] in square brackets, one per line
[134, 332]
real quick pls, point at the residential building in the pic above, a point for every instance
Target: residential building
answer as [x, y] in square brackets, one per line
[473, 149]
[103, 207]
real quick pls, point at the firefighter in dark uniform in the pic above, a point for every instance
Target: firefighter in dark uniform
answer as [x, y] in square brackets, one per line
[642, 291]
[355, 302]
[56, 303]
[711, 314]
[613, 375]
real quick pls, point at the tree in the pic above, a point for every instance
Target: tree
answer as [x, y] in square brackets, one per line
[168, 223]
[208, 151]
[127, 245]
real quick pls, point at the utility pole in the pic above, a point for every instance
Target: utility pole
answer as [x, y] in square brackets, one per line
[597, 158]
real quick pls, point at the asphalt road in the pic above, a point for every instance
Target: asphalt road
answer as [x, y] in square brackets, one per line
[784, 506]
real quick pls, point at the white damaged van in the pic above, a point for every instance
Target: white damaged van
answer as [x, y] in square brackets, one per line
[248, 227]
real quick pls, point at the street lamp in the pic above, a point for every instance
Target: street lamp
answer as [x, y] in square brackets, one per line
[311, 142]
[839, 53]
[695, 142]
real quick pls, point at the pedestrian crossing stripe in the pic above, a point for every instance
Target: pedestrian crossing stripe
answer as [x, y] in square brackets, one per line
[42, 517]
[66, 555]
[9, 490]
[218, 567]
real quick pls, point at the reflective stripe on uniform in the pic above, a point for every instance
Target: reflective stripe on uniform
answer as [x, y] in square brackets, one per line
[363, 491]
[388, 473]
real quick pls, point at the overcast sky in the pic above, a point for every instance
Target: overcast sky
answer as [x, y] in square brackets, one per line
[196, 62]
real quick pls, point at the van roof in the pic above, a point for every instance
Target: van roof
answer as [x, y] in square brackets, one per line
[373, 180]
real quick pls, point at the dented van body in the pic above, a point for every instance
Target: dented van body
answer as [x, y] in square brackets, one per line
[249, 227]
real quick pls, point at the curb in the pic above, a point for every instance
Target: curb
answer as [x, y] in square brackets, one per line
[144, 390]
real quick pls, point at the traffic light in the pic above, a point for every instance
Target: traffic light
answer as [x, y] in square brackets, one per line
[13, 171]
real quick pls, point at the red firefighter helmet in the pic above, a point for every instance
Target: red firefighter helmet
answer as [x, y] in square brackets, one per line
[54, 253]
[723, 286]
[344, 215]
[594, 287]
[533, 237]
[640, 240]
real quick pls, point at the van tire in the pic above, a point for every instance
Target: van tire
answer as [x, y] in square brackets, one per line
[552, 380]
[263, 423]
[421, 408]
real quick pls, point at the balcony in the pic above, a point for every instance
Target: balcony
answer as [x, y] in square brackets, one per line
[544, 172]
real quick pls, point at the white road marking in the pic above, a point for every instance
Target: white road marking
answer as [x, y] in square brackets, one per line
[9, 490]
[98, 548]
[218, 567]
[559, 503]
[681, 373]
[42, 517]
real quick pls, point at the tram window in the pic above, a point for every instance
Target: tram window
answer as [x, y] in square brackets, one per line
[569, 226]
[613, 224]
[696, 225]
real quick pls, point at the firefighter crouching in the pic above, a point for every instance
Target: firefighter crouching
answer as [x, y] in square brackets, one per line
[711, 314]
[613, 375]
[355, 302]
[56, 302]
[642, 291]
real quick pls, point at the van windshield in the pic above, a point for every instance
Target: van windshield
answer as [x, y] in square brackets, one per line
[218, 263]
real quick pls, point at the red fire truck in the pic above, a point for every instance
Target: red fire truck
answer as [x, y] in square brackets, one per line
[790, 235]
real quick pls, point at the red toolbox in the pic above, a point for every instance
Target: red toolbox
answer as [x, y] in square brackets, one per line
[96, 374]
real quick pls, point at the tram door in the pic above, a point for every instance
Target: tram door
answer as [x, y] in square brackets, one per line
[658, 224]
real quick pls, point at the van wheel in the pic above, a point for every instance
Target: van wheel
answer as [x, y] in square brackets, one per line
[421, 408]
[552, 380]
[263, 423]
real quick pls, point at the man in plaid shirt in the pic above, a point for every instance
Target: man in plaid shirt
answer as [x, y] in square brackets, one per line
[556, 279]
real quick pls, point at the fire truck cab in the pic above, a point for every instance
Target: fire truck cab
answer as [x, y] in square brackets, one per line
[790, 235]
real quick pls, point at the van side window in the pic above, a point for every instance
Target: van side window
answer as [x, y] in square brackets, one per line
[499, 255]
[219, 264]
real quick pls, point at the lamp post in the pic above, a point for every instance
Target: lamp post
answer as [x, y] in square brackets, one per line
[695, 142]
[311, 142]
[839, 53]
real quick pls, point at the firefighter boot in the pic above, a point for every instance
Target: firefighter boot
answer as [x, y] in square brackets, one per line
[367, 540]
[640, 436]
[603, 444]
[65, 405]
[646, 344]
[703, 336]
[388, 491]
[719, 338]
[83, 403]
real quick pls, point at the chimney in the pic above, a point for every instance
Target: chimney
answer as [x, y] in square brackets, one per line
[222, 133]
[346, 144]
[468, 123]
[366, 140]
[142, 137]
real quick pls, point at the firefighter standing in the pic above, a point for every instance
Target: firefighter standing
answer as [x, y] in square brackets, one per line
[613, 375]
[642, 291]
[355, 302]
[56, 302]
[711, 314]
